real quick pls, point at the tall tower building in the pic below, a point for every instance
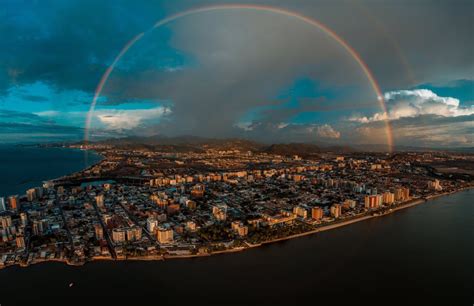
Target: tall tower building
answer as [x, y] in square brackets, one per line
[336, 210]
[3, 206]
[388, 198]
[317, 213]
[14, 202]
[151, 224]
[20, 242]
[31, 194]
[5, 222]
[220, 212]
[39, 191]
[24, 219]
[100, 200]
[118, 235]
[99, 231]
[165, 235]
[372, 201]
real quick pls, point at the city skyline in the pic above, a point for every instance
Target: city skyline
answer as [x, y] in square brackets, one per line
[264, 72]
[222, 152]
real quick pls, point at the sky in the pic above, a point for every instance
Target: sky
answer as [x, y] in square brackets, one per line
[242, 73]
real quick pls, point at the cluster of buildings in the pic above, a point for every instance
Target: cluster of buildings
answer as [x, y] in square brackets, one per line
[179, 208]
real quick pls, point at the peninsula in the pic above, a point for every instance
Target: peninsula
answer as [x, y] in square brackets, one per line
[199, 197]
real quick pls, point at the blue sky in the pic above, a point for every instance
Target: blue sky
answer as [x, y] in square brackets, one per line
[236, 73]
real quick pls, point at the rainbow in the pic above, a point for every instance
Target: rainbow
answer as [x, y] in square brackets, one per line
[269, 9]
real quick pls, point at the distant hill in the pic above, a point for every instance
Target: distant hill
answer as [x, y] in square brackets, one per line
[200, 144]
[184, 143]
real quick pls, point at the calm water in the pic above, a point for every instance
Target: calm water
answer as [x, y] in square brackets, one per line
[423, 254]
[25, 167]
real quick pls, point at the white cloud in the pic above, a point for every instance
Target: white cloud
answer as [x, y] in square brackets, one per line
[129, 119]
[49, 113]
[413, 103]
[325, 131]
[109, 119]
[246, 126]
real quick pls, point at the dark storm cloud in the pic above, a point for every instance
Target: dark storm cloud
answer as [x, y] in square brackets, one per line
[27, 127]
[245, 58]
[242, 64]
[67, 43]
[15, 116]
[11, 132]
[242, 59]
[9, 127]
[35, 98]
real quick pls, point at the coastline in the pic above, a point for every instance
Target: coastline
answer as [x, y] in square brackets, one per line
[408, 204]
[157, 257]
[66, 169]
[332, 225]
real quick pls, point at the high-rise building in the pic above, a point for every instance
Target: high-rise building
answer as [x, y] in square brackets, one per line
[165, 235]
[24, 219]
[118, 235]
[402, 194]
[373, 201]
[336, 210]
[99, 199]
[151, 225]
[3, 205]
[220, 212]
[99, 231]
[14, 203]
[349, 204]
[31, 194]
[38, 227]
[435, 185]
[239, 228]
[317, 213]
[39, 192]
[300, 211]
[134, 233]
[5, 222]
[20, 242]
[388, 198]
[406, 193]
[379, 199]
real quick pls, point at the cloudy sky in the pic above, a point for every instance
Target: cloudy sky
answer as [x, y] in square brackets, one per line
[239, 72]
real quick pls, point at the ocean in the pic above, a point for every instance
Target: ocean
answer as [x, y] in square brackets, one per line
[421, 255]
[23, 167]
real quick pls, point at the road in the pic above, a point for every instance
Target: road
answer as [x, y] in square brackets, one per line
[110, 244]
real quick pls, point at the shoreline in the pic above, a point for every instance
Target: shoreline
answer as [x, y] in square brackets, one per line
[408, 204]
[34, 182]
[342, 223]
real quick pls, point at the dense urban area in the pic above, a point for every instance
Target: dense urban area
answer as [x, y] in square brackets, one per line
[142, 203]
